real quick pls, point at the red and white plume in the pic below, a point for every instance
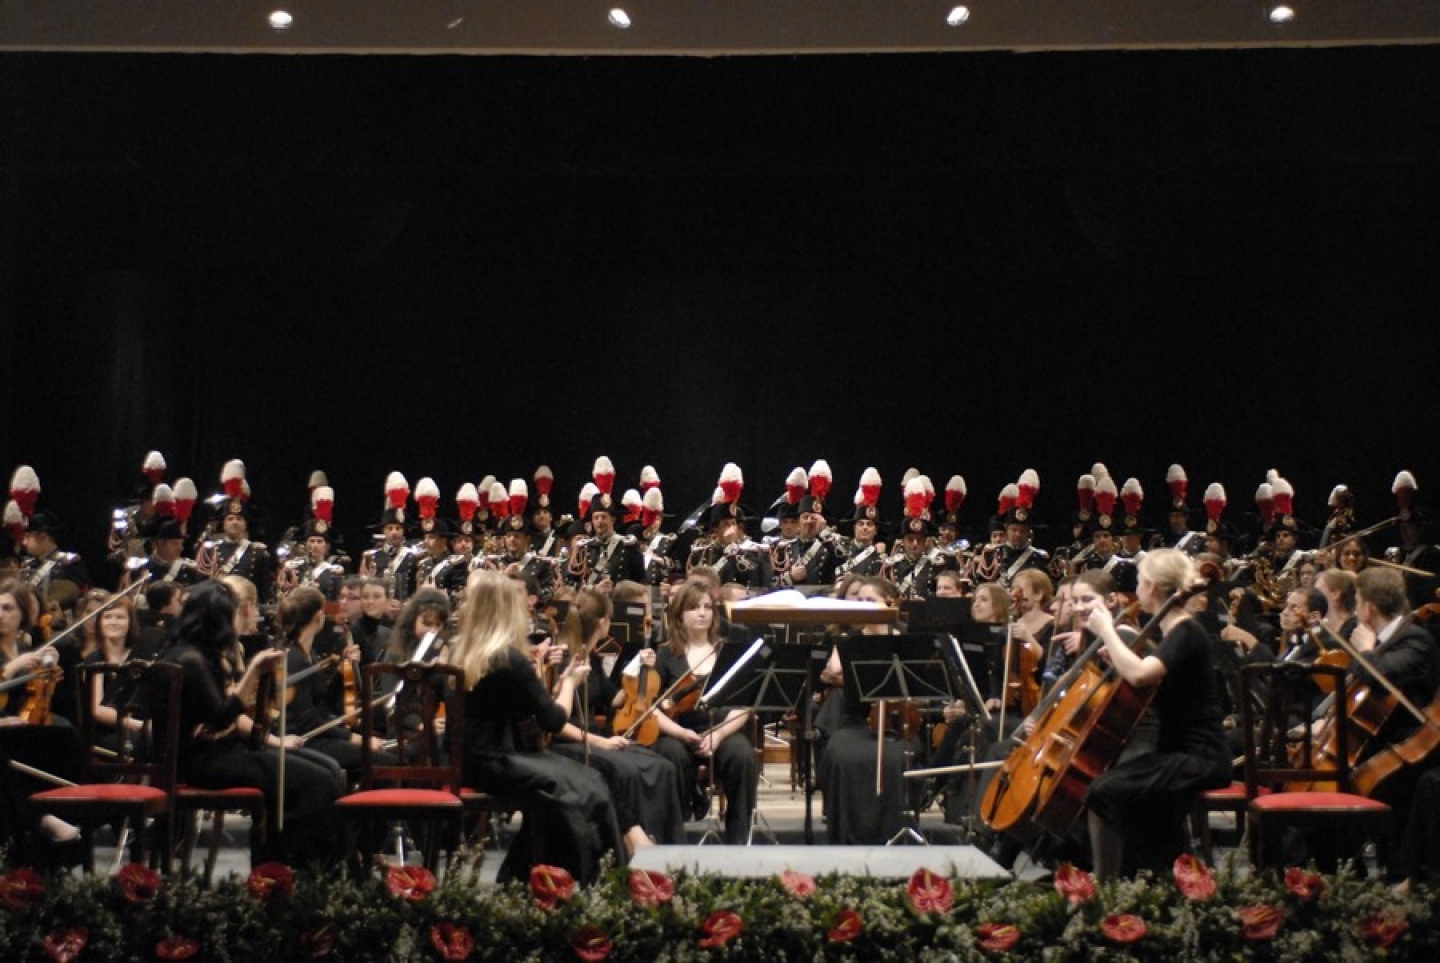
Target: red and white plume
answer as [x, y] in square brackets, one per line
[397, 490]
[717, 497]
[1028, 487]
[317, 479]
[467, 502]
[1284, 495]
[1404, 488]
[1105, 495]
[25, 489]
[917, 497]
[519, 496]
[499, 501]
[604, 475]
[649, 478]
[632, 504]
[1008, 495]
[427, 497]
[1265, 501]
[1215, 501]
[1085, 492]
[732, 482]
[1179, 484]
[905, 478]
[652, 507]
[232, 478]
[544, 481]
[486, 484]
[588, 491]
[955, 492]
[870, 487]
[795, 484]
[14, 520]
[185, 497]
[153, 467]
[1132, 496]
[1340, 497]
[163, 498]
[322, 504]
[820, 479]
[1099, 470]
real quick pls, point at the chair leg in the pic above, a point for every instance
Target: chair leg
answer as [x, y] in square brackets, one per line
[217, 827]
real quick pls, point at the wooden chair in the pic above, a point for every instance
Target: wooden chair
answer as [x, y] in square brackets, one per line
[1309, 787]
[134, 783]
[191, 802]
[422, 787]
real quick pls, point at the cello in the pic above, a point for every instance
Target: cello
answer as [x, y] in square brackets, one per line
[1080, 729]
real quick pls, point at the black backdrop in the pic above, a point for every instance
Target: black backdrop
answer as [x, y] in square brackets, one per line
[965, 263]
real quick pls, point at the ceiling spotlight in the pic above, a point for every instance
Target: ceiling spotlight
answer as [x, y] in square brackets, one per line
[280, 20]
[619, 19]
[957, 16]
[1281, 14]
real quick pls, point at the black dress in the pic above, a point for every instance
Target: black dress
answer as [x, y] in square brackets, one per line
[569, 820]
[733, 766]
[1146, 797]
[643, 784]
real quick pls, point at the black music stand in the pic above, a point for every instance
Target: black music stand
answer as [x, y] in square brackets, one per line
[883, 668]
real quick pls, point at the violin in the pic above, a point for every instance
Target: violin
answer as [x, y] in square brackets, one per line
[635, 718]
[900, 716]
[39, 688]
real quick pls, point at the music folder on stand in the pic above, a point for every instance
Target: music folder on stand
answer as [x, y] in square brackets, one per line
[885, 668]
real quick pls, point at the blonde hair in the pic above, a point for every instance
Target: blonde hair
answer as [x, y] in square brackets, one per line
[1169, 569]
[494, 618]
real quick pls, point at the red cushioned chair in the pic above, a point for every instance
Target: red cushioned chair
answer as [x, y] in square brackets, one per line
[192, 801]
[1309, 788]
[426, 723]
[134, 783]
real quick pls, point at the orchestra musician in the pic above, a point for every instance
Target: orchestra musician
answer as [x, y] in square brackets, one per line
[813, 556]
[215, 755]
[644, 785]
[506, 710]
[609, 557]
[691, 737]
[1137, 809]
[857, 812]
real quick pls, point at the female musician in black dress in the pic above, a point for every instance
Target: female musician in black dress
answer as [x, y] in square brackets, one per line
[1137, 808]
[690, 738]
[213, 752]
[569, 819]
[857, 812]
[643, 784]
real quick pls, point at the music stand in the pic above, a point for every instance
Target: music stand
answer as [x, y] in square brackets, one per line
[884, 668]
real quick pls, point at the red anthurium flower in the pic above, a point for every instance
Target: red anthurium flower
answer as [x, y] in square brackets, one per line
[1073, 883]
[177, 947]
[997, 937]
[1123, 927]
[270, 881]
[930, 892]
[21, 888]
[138, 883]
[452, 942]
[1305, 885]
[591, 944]
[721, 927]
[1260, 922]
[848, 925]
[650, 888]
[1379, 931]
[320, 942]
[551, 885]
[65, 946]
[1194, 878]
[797, 884]
[412, 883]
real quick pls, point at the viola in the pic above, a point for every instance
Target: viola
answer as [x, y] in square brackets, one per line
[635, 718]
[39, 687]
[900, 716]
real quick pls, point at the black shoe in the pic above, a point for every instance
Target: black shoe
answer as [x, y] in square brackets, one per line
[699, 804]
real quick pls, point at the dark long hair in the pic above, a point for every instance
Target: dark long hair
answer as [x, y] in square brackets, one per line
[207, 620]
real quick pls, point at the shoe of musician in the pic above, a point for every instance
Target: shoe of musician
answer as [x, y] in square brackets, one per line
[699, 803]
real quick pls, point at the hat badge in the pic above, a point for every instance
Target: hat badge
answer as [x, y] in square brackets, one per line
[467, 526]
[1022, 514]
[427, 524]
[235, 507]
[1211, 527]
[322, 526]
[400, 515]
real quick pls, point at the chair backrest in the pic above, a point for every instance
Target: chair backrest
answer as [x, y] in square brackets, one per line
[144, 742]
[1275, 721]
[424, 716]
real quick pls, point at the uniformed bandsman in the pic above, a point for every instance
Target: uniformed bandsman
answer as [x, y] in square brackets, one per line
[58, 578]
[864, 552]
[393, 560]
[1106, 556]
[166, 561]
[236, 553]
[610, 557]
[813, 558]
[439, 567]
[1018, 551]
[317, 566]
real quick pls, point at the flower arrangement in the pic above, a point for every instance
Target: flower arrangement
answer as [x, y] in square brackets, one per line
[407, 914]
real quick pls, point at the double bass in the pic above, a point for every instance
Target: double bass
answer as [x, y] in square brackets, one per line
[1080, 729]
